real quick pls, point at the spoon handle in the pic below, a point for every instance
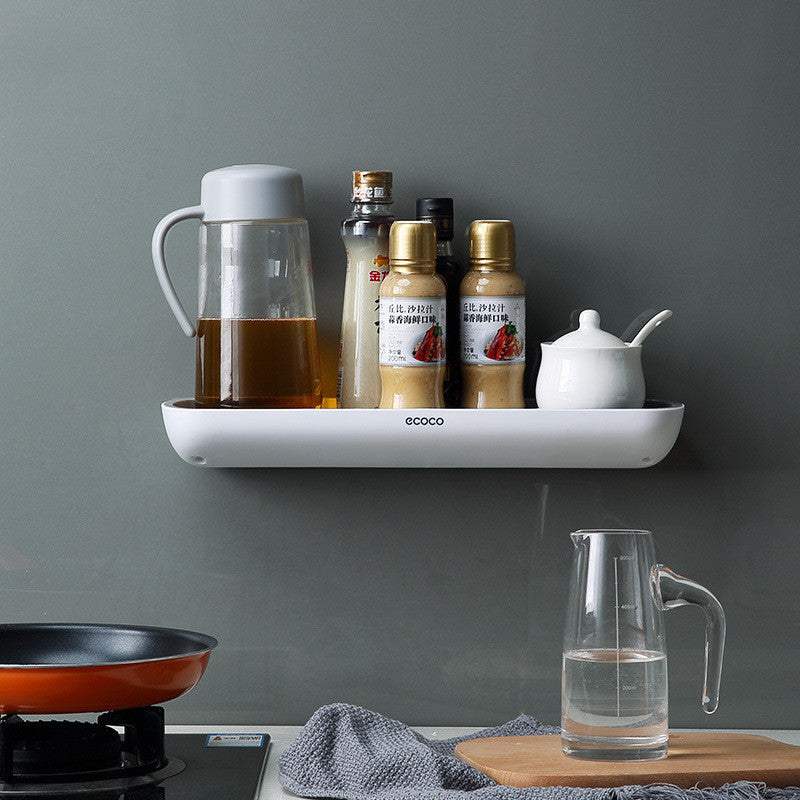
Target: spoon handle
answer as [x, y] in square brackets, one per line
[650, 327]
[637, 324]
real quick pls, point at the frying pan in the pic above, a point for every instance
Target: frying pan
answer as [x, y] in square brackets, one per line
[61, 668]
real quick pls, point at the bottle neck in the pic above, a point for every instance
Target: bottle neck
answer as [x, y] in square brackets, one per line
[444, 249]
[413, 269]
[491, 266]
[372, 209]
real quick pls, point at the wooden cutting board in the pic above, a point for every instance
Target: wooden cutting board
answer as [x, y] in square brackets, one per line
[711, 758]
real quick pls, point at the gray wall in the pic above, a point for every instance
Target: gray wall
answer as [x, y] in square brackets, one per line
[648, 154]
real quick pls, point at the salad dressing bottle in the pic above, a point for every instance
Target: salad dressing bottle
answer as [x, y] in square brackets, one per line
[492, 317]
[412, 320]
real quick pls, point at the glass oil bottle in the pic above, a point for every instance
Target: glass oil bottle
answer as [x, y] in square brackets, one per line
[366, 239]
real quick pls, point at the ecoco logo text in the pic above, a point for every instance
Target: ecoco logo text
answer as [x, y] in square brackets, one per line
[424, 420]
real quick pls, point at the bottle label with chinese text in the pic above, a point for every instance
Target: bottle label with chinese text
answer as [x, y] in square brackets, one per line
[365, 193]
[493, 330]
[412, 331]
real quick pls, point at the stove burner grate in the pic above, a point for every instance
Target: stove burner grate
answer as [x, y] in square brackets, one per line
[41, 748]
[63, 751]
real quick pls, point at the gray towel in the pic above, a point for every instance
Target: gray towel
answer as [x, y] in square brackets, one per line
[350, 753]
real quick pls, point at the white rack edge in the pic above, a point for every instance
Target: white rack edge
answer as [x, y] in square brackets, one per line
[628, 438]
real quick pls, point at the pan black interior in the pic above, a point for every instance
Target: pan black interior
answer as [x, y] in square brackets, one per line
[66, 644]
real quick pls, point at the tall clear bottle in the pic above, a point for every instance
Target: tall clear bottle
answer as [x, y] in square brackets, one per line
[492, 320]
[366, 239]
[439, 211]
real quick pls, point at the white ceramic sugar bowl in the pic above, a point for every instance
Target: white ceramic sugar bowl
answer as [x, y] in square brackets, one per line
[590, 368]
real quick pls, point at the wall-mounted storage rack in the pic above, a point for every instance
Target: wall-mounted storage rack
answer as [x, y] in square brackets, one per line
[448, 437]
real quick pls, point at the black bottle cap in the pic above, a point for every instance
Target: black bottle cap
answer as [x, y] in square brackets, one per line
[439, 211]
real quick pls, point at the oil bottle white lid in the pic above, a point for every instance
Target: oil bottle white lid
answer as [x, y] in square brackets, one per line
[252, 192]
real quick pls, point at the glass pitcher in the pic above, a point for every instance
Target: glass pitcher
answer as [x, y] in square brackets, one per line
[256, 324]
[614, 668]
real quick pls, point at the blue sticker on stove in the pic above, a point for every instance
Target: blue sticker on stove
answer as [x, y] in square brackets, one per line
[235, 740]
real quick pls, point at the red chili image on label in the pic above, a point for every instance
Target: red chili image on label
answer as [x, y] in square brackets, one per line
[431, 346]
[505, 345]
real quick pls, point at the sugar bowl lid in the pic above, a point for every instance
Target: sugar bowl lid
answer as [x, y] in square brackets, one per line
[589, 334]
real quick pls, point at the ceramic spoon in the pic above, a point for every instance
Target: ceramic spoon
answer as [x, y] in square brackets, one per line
[637, 324]
[650, 327]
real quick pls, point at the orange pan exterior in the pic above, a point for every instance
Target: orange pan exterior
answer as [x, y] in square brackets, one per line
[79, 689]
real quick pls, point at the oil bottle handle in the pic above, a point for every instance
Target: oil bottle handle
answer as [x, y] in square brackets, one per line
[672, 590]
[159, 235]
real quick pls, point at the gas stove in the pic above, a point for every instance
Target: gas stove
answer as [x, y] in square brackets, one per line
[126, 755]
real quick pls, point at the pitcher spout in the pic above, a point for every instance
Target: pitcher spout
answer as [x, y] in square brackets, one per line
[578, 538]
[584, 535]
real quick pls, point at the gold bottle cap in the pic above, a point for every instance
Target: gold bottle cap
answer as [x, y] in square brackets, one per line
[491, 242]
[372, 187]
[412, 244]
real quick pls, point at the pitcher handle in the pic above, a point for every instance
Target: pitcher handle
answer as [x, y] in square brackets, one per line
[159, 235]
[672, 590]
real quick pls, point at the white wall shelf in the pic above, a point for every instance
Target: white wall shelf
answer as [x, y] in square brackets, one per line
[449, 437]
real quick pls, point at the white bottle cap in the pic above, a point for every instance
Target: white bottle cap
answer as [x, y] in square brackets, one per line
[250, 192]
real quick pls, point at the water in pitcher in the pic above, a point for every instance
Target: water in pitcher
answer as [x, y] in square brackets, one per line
[614, 704]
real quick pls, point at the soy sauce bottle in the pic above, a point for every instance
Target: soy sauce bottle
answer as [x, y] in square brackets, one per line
[439, 211]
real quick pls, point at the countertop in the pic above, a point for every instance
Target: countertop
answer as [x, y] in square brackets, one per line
[283, 735]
